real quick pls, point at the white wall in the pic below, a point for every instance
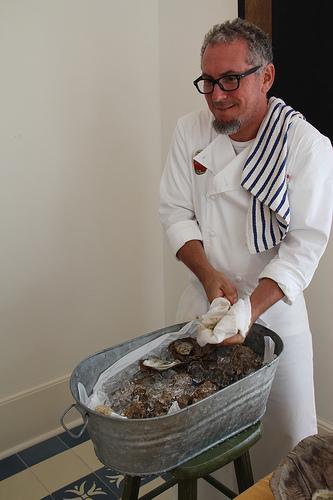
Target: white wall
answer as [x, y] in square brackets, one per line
[85, 87]
[81, 248]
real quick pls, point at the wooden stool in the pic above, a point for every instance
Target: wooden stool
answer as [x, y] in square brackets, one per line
[234, 449]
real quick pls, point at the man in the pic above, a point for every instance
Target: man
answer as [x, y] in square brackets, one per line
[246, 203]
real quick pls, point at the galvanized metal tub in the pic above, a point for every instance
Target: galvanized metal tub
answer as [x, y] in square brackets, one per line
[154, 445]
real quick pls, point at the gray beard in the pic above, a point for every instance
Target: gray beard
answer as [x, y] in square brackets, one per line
[227, 128]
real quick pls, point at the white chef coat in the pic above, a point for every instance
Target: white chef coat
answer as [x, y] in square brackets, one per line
[212, 207]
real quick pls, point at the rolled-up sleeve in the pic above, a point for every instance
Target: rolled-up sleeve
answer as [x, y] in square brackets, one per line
[310, 193]
[176, 198]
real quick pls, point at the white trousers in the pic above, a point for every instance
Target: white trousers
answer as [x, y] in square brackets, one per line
[291, 414]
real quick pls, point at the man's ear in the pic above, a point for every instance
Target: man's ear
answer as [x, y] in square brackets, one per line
[268, 77]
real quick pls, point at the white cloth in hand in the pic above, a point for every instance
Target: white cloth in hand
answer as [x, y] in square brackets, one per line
[216, 311]
[235, 320]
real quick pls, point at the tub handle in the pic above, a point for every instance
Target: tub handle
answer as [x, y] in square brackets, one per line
[72, 434]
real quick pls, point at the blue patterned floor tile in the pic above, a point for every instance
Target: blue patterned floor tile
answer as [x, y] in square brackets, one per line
[42, 451]
[71, 442]
[114, 480]
[10, 466]
[87, 487]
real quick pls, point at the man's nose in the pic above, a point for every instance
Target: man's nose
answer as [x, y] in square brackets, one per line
[218, 94]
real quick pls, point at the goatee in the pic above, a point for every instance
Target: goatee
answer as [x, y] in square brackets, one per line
[227, 128]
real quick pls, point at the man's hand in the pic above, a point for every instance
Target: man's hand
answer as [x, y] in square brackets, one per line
[263, 297]
[236, 339]
[215, 283]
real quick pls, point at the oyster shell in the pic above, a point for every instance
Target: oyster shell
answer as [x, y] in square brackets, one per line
[203, 391]
[137, 409]
[159, 364]
[104, 410]
[244, 361]
[187, 349]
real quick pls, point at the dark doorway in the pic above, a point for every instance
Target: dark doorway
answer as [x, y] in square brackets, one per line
[302, 48]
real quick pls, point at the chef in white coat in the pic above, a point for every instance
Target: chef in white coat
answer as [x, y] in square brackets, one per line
[246, 204]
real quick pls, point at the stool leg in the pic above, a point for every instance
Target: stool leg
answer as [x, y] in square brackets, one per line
[187, 489]
[131, 488]
[243, 472]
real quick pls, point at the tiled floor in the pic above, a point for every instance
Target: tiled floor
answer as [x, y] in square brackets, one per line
[63, 468]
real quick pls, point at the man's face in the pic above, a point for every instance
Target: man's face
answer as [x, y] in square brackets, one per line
[237, 113]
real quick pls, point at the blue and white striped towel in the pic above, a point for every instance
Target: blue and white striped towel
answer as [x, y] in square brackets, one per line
[265, 177]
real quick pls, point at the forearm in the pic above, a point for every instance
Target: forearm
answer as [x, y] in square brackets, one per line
[192, 254]
[266, 294]
[215, 283]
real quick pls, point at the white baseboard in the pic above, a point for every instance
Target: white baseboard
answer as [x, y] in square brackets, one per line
[31, 417]
[324, 427]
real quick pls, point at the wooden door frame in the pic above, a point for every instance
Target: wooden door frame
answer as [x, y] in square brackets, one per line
[258, 12]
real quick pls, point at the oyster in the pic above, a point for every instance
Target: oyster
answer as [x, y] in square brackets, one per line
[184, 400]
[159, 364]
[136, 410]
[244, 361]
[202, 371]
[197, 371]
[187, 349]
[184, 347]
[139, 393]
[104, 410]
[203, 390]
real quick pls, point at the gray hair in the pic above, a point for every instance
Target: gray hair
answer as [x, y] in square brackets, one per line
[259, 43]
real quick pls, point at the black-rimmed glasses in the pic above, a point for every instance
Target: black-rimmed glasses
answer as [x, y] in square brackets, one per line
[227, 83]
